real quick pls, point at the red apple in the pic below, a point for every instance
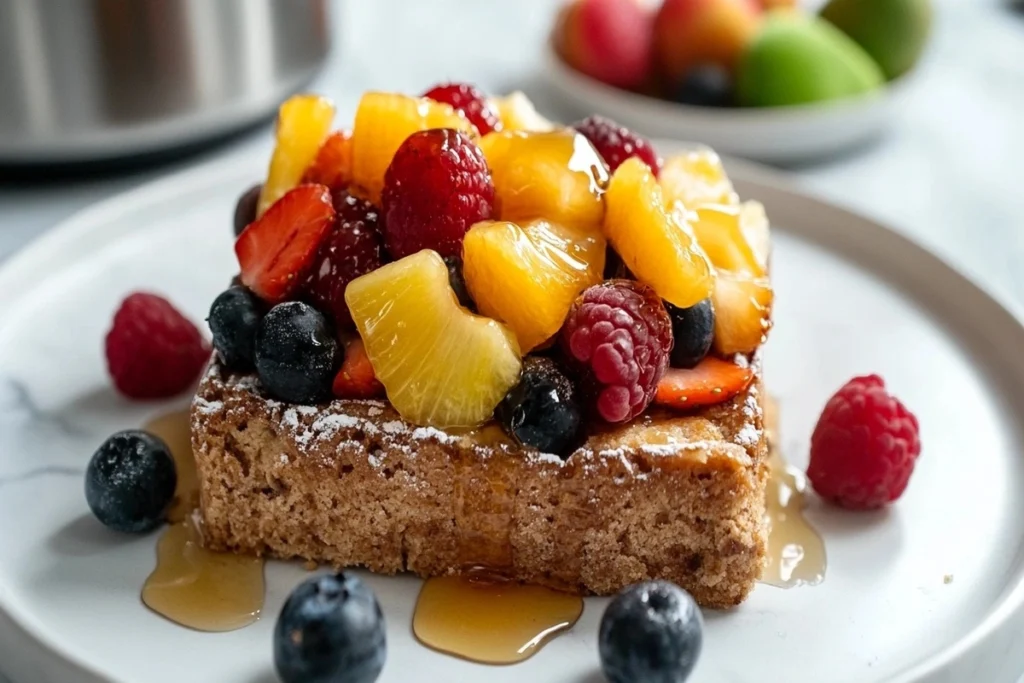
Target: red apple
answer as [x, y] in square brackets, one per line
[609, 40]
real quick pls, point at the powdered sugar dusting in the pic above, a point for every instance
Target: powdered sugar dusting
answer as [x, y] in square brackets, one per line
[394, 427]
[432, 433]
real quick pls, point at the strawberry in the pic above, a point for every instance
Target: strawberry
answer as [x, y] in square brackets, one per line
[356, 379]
[277, 250]
[332, 165]
[712, 381]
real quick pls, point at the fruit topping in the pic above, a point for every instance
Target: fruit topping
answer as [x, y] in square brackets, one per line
[356, 378]
[556, 176]
[616, 143]
[153, 351]
[864, 446]
[234, 318]
[650, 632]
[692, 331]
[527, 277]
[278, 250]
[130, 481]
[330, 630]
[353, 247]
[706, 85]
[303, 123]
[719, 232]
[383, 122]
[457, 280]
[743, 307]
[517, 112]
[470, 101]
[442, 365]
[695, 177]
[618, 336]
[332, 165]
[655, 243]
[711, 381]
[296, 353]
[754, 223]
[437, 186]
[541, 411]
[609, 40]
[245, 209]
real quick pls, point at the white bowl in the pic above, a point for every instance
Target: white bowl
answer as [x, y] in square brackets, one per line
[773, 134]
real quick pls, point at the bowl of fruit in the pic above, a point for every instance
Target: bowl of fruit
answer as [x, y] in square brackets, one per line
[762, 79]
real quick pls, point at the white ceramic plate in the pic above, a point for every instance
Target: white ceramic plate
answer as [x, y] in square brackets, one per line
[853, 297]
[771, 134]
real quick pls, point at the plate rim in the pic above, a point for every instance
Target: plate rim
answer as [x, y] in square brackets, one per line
[21, 632]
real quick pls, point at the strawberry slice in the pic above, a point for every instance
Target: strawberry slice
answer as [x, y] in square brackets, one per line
[356, 379]
[277, 250]
[712, 381]
[332, 165]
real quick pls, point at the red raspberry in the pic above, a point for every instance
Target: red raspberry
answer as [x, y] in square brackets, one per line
[354, 247]
[437, 186]
[618, 336]
[864, 446]
[470, 101]
[616, 143]
[153, 351]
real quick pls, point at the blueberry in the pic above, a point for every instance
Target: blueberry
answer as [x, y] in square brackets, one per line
[330, 630]
[458, 282]
[540, 410]
[245, 209]
[706, 85]
[130, 481]
[693, 329]
[234, 318]
[296, 353]
[650, 633]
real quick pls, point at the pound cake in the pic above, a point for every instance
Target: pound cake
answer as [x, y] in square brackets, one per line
[466, 339]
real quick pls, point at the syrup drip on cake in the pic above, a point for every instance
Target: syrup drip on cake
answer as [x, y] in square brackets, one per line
[796, 552]
[192, 586]
[489, 620]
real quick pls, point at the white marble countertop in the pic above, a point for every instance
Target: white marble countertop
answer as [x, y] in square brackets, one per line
[946, 172]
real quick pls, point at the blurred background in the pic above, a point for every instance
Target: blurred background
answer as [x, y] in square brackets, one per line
[141, 89]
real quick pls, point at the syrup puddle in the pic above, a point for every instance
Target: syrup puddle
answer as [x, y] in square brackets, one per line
[191, 586]
[796, 552]
[491, 621]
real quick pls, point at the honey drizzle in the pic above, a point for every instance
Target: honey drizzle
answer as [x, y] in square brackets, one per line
[796, 552]
[490, 620]
[190, 585]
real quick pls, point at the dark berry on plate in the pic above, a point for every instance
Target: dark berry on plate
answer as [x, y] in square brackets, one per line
[458, 282]
[296, 353]
[130, 481]
[354, 247]
[436, 187]
[617, 337]
[245, 209]
[616, 143]
[693, 329]
[330, 630]
[153, 351]
[234, 318]
[471, 102]
[541, 411]
[650, 633]
[706, 85]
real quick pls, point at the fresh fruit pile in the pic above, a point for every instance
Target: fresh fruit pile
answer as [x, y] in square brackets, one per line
[452, 253]
[757, 53]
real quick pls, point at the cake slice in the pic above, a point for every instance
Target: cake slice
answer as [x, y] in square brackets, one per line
[350, 483]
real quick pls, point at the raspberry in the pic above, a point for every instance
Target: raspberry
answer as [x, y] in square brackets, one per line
[354, 247]
[618, 335]
[437, 186]
[153, 351]
[864, 446]
[470, 101]
[616, 143]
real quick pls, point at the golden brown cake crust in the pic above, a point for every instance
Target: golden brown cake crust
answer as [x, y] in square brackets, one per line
[352, 484]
